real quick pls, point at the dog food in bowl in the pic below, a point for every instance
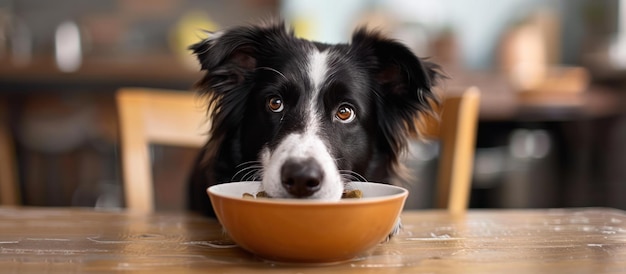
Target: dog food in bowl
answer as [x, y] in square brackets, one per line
[304, 230]
[349, 194]
[260, 194]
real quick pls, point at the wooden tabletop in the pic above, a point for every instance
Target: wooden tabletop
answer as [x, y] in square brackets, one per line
[492, 241]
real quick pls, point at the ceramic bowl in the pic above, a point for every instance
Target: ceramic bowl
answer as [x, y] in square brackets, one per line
[307, 231]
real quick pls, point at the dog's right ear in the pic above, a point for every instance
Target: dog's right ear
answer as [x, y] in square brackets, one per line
[227, 57]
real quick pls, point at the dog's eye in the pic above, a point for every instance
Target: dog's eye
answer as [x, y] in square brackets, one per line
[345, 114]
[275, 104]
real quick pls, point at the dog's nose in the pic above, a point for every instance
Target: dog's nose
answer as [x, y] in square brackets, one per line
[301, 178]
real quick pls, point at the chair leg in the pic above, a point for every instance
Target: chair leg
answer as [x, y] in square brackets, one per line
[9, 190]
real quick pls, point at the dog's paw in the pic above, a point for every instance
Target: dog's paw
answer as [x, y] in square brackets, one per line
[396, 229]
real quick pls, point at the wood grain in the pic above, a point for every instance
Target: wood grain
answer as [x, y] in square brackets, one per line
[591, 240]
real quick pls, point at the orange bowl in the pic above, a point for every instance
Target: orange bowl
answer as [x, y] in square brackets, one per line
[307, 231]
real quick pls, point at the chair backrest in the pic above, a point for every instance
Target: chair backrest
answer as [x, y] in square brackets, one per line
[177, 118]
[151, 116]
[9, 189]
[456, 132]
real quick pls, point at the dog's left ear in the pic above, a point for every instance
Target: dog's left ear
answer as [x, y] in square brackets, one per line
[405, 84]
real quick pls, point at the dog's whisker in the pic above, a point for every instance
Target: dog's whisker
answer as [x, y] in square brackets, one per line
[337, 161]
[347, 178]
[350, 178]
[352, 175]
[250, 170]
[247, 170]
[244, 170]
[273, 70]
[248, 163]
[250, 175]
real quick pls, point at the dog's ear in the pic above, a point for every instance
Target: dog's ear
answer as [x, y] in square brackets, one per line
[405, 83]
[230, 58]
[226, 57]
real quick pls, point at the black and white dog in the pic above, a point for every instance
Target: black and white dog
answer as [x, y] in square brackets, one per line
[306, 117]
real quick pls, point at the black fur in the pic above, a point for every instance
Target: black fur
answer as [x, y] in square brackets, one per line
[382, 79]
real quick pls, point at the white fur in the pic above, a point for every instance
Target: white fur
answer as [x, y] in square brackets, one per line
[318, 68]
[214, 35]
[300, 146]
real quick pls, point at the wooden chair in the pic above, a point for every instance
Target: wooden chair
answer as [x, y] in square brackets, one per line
[150, 116]
[9, 188]
[456, 132]
[175, 118]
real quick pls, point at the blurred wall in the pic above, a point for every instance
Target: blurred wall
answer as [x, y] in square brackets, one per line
[478, 25]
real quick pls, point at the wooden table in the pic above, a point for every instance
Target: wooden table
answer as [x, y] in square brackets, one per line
[69, 240]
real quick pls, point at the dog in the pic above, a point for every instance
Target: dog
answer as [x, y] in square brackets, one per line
[304, 117]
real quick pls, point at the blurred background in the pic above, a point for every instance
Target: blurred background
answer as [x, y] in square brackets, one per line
[552, 129]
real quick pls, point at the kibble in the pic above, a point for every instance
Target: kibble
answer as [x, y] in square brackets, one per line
[260, 194]
[350, 194]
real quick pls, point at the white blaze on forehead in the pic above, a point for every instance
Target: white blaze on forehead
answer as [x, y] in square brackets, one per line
[318, 67]
[317, 71]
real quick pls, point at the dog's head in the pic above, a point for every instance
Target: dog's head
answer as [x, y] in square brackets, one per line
[312, 115]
